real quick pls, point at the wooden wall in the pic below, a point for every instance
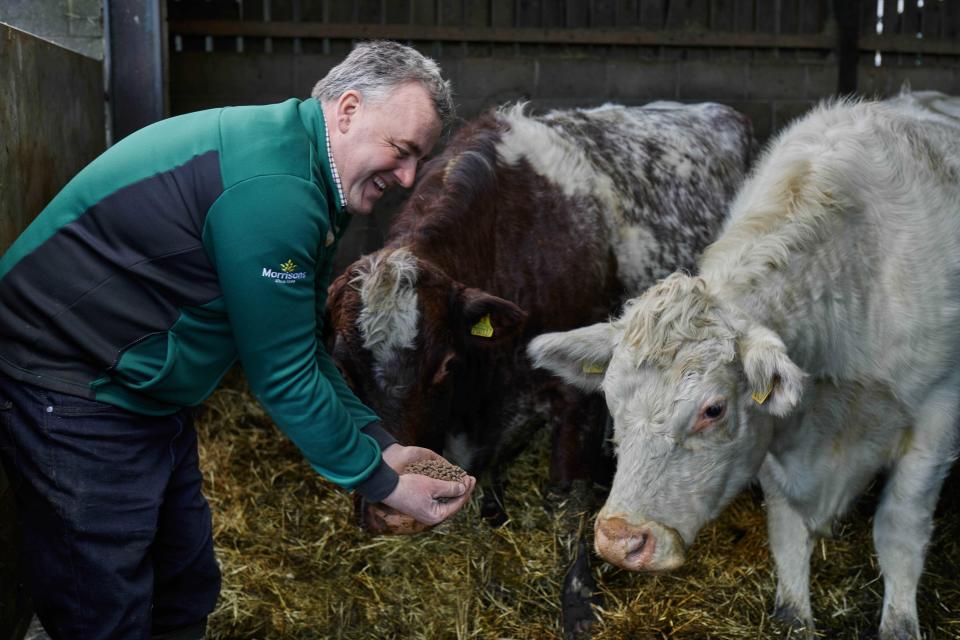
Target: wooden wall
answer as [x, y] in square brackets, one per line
[51, 125]
[771, 59]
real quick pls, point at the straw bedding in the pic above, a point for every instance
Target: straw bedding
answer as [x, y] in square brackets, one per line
[296, 566]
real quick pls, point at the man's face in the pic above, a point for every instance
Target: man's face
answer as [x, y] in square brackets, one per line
[381, 143]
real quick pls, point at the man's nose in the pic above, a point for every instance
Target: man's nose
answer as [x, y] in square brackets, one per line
[406, 173]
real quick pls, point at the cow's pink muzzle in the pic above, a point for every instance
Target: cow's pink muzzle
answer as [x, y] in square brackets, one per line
[649, 546]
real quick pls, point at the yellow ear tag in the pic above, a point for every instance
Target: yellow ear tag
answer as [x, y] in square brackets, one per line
[483, 328]
[761, 397]
[593, 367]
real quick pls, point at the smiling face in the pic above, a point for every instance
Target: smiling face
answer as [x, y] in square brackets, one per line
[378, 144]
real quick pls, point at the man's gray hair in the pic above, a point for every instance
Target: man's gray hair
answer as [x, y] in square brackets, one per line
[377, 67]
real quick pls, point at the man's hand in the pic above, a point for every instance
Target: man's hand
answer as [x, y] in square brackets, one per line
[425, 499]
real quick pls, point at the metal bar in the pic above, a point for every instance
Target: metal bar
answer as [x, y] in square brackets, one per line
[682, 38]
[136, 64]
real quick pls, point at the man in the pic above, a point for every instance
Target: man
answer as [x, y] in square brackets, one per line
[194, 242]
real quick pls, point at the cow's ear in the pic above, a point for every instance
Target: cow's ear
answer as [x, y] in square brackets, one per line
[489, 320]
[776, 383]
[579, 356]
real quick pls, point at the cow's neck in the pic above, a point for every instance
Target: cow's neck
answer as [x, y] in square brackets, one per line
[817, 301]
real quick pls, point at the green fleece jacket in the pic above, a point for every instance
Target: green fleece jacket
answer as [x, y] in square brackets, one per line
[196, 241]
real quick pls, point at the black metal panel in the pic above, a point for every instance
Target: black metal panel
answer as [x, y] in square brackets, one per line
[135, 61]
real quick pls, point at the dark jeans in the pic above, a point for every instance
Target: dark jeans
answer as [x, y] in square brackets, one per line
[117, 537]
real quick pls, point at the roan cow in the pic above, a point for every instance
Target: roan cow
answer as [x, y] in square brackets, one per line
[527, 224]
[817, 346]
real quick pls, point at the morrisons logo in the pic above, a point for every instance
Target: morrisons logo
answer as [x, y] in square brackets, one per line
[288, 273]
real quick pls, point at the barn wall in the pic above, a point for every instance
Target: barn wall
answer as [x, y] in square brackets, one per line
[771, 59]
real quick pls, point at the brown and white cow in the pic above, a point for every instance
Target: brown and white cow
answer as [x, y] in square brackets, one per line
[527, 224]
[817, 346]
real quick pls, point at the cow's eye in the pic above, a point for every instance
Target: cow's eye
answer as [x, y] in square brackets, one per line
[711, 412]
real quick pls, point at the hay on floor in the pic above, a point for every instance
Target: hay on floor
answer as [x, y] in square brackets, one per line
[296, 566]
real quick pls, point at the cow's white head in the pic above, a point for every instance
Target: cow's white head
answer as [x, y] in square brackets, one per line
[691, 386]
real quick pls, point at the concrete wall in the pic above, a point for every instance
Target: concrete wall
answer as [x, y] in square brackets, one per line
[73, 24]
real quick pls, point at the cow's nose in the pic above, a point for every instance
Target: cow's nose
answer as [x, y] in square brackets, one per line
[649, 546]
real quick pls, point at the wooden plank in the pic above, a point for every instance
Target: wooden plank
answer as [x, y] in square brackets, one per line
[312, 11]
[722, 15]
[370, 11]
[501, 13]
[396, 11]
[527, 13]
[578, 14]
[211, 9]
[449, 12]
[767, 16]
[910, 20]
[931, 19]
[281, 10]
[682, 38]
[891, 19]
[423, 12]
[687, 14]
[951, 20]
[476, 13]
[552, 14]
[249, 10]
[628, 13]
[44, 147]
[907, 44]
[342, 10]
[790, 16]
[653, 14]
[868, 16]
[812, 16]
[603, 13]
[744, 18]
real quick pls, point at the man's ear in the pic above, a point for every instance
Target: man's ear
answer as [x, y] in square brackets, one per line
[579, 356]
[347, 106]
[776, 383]
[488, 320]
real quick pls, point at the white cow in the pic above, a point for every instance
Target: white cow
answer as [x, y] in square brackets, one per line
[819, 345]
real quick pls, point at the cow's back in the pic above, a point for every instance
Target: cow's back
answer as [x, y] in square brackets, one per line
[657, 179]
[855, 207]
[568, 213]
